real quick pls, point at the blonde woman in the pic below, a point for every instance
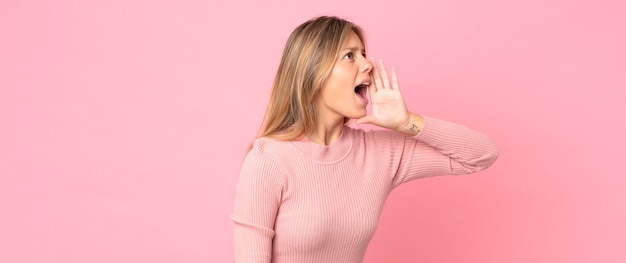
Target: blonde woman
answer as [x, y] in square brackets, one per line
[311, 188]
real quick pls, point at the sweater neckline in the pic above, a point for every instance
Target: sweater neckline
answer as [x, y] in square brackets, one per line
[326, 153]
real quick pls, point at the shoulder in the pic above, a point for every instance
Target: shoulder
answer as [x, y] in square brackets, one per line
[269, 151]
[378, 141]
[377, 136]
[268, 146]
[263, 163]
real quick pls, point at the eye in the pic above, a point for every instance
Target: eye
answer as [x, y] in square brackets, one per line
[349, 55]
[364, 55]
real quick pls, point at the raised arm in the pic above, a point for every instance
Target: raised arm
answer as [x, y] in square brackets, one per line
[426, 146]
[443, 148]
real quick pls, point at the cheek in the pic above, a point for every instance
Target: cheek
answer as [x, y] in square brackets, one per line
[343, 79]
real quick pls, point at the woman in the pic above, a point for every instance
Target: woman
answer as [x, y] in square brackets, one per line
[311, 188]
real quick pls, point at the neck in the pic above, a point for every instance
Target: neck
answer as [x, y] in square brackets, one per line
[327, 131]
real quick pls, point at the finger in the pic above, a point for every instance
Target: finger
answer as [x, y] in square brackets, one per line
[370, 91]
[369, 119]
[394, 79]
[372, 86]
[384, 75]
[378, 84]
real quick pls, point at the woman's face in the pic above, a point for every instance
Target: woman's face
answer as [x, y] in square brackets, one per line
[344, 94]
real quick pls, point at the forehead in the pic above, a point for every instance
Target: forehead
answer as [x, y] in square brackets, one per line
[353, 41]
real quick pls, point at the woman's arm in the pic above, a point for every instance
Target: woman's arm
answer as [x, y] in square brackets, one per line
[257, 200]
[424, 146]
[442, 148]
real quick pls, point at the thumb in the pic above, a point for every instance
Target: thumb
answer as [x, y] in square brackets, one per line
[369, 119]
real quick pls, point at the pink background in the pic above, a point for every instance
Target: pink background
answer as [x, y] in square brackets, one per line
[123, 125]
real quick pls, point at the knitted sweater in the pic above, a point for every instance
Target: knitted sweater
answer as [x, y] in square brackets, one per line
[298, 201]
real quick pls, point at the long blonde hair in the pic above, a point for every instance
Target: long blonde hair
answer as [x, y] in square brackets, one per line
[307, 61]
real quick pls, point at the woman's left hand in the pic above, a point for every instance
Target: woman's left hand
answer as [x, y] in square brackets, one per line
[388, 107]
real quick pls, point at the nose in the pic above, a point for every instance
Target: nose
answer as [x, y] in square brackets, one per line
[366, 66]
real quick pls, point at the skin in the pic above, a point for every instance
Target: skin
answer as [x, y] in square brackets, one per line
[338, 100]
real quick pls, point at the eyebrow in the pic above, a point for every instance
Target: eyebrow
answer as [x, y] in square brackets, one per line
[353, 48]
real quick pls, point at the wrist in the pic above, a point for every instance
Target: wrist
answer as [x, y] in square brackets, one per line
[413, 125]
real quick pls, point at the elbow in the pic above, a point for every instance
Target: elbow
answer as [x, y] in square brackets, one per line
[491, 156]
[488, 158]
[482, 161]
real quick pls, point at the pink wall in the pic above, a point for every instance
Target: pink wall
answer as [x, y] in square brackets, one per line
[123, 124]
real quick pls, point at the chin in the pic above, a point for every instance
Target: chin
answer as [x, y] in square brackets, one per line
[358, 115]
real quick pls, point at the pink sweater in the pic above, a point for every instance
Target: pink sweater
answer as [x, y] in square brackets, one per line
[298, 201]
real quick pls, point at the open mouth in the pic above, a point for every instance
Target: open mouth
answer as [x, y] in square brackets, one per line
[361, 90]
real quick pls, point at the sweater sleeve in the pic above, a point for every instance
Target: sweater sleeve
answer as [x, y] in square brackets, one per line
[258, 198]
[443, 148]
